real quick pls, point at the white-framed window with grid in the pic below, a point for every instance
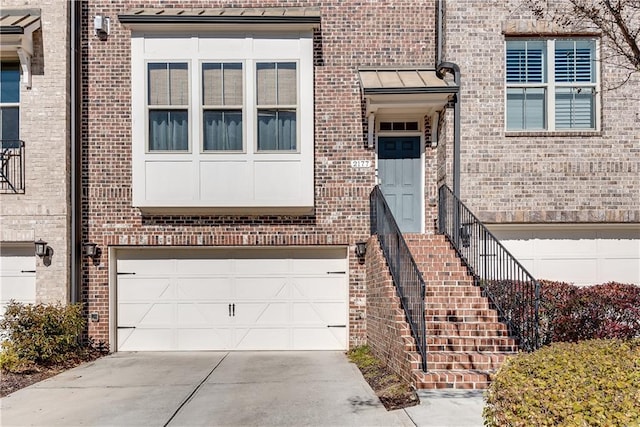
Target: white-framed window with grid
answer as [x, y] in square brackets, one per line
[552, 84]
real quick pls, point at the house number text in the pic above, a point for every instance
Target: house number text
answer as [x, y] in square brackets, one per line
[360, 163]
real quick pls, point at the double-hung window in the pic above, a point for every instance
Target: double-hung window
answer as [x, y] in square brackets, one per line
[222, 105]
[277, 105]
[168, 106]
[551, 84]
[9, 102]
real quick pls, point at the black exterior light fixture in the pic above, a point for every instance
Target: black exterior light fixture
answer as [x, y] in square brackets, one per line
[91, 249]
[42, 249]
[361, 250]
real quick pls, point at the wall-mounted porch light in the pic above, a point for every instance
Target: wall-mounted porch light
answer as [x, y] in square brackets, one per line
[91, 249]
[42, 249]
[361, 250]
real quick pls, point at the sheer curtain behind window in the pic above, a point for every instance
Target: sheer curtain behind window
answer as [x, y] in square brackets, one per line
[168, 106]
[277, 99]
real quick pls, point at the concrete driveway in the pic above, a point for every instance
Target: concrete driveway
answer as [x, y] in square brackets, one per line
[204, 388]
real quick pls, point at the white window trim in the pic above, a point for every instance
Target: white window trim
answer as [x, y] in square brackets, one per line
[550, 87]
[222, 107]
[149, 107]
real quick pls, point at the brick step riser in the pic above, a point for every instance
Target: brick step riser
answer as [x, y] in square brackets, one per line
[491, 333]
[471, 348]
[505, 342]
[462, 319]
[459, 312]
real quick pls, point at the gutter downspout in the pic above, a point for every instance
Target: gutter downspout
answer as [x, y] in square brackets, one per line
[443, 68]
[76, 103]
[440, 30]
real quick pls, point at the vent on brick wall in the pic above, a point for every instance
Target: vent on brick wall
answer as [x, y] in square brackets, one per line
[399, 126]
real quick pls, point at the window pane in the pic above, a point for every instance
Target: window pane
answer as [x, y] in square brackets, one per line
[266, 82]
[277, 130]
[287, 129]
[168, 83]
[10, 122]
[233, 84]
[525, 61]
[525, 108]
[222, 84]
[212, 84]
[9, 82]
[179, 83]
[222, 130]
[287, 83]
[575, 61]
[575, 108]
[168, 130]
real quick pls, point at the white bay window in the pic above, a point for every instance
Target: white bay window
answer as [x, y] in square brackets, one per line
[551, 84]
[223, 124]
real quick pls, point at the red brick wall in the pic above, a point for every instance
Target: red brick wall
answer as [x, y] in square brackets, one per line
[388, 333]
[353, 34]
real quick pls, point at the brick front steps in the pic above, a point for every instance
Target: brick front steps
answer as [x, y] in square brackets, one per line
[465, 341]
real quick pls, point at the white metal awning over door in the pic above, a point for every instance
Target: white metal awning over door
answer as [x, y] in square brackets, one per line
[275, 299]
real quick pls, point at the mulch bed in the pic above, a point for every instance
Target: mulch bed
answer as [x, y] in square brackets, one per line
[13, 381]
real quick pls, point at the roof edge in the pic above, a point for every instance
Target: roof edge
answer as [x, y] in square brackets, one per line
[204, 19]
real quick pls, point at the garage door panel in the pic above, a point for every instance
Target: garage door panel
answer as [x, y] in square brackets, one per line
[260, 288]
[320, 339]
[203, 314]
[17, 275]
[205, 288]
[320, 288]
[149, 267]
[194, 339]
[319, 313]
[262, 339]
[318, 266]
[244, 303]
[218, 267]
[265, 313]
[268, 266]
[145, 289]
[146, 340]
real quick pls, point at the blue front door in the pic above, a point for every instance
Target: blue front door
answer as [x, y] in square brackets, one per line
[400, 174]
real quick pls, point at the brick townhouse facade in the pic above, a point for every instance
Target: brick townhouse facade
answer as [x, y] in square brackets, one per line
[217, 196]
[36, 164]
[562, 195]
[260, 221]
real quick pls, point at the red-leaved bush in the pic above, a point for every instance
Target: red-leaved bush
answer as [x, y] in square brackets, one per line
[570, 313]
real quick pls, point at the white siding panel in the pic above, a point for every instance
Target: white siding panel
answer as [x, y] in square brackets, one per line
[169, 181]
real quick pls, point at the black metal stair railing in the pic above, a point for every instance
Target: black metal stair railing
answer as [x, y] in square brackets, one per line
[512, 290]
[404, 271]
[12, 166]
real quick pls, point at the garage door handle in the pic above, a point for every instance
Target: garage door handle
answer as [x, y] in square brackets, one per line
[336, 272]
[233, 310]
[336, 326]
[126, 327]
[27, 271]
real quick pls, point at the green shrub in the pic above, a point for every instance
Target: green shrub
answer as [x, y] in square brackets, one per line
[590, 383]
[40, 334]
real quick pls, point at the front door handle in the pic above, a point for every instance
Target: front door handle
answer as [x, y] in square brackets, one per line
[229, 310]
[233, 309]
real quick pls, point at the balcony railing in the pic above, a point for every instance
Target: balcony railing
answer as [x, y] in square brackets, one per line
[510, 287]
[12, 166]
[404, 271]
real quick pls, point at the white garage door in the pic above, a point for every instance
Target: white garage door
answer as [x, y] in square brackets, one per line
[17, 275]
[232, 300]
[575, 255]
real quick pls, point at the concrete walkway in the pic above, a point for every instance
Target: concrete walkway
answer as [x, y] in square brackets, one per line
[224, 389]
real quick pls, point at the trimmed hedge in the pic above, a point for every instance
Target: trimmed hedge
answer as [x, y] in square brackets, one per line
[590, 383]
[40, 334]
[569, 313]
